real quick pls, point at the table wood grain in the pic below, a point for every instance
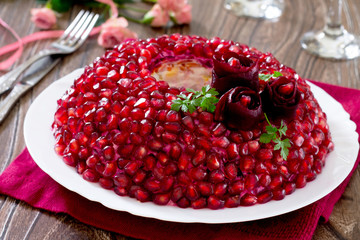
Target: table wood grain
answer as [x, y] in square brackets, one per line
[21, 221]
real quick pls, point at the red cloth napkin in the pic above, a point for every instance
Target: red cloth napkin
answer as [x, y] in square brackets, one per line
[24, 180]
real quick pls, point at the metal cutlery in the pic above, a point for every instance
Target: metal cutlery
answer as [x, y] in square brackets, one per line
[39, 65]
[73, 37]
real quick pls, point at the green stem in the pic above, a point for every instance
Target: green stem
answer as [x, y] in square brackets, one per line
[140, 10]
[132, 19]
[267, 119]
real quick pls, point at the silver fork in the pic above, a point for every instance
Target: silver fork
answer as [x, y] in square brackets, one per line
[73, 37]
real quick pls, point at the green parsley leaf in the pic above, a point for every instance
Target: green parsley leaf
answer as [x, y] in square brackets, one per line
[267, 77]
[266, 138]
[277, 74]
[188, 103]
[275, 134]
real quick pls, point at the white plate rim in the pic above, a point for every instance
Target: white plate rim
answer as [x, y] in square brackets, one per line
[340, 162]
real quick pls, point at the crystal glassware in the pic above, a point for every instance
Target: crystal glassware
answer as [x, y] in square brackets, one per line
[333, 41]
[267, 9]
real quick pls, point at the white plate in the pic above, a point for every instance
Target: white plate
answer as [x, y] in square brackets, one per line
[40, 142]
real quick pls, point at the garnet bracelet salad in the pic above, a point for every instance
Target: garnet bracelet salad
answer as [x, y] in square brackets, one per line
[248, 131]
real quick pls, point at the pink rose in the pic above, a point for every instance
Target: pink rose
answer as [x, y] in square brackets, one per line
[183, 16]
[114, 31]
[158, 16]
[43, 18]
[172, 5]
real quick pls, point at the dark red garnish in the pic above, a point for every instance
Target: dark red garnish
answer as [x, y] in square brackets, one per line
[234, 70]
[281, 97]
[239, 108]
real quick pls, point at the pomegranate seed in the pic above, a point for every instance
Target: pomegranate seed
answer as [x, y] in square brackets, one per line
[172, 116]
[236, 137]
[231, 170]
[139, 176]
[90, 175]
[213, 162]
[216, 176]
[169, 137]
[199, 157]
[276, 182]
[142, 195]
[232, 201]
[251, 181]
[264, 197]
[175, 151]
[109, 153]
[106, 183]
[110, 169]
[140, 153]
[152, 185]
[183, 203]
[70, 159]
[197, 174]
[219, 130]
[236, 187]
[253, 146]
[192, 193]
[167, 183]
[220, 189]
[205, 188]
[199, 203]
[279, 194]
[248, 200]
[137, 114]
[265, 154]
[202, 142]
[247, 164]
[265, 180]
[177, 194]
[172, 127]
[206, 118]
[289, 188]
[214, 202]
[161, 199]
[131, 168]
[183, 161]
[188, 122]
[222, 142]
[142, 103]
[233, 150]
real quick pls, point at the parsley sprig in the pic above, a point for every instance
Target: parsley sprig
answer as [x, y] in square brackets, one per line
[267, 77]
[275, 134]
[188, 103]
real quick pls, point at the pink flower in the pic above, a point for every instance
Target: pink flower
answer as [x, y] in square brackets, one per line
[172, 5]
[114, 11]
[183, 16]
[114, 31]
[43, 18]
[158, 16]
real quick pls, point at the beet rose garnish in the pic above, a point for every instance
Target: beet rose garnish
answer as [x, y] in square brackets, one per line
[239, 108]
[281, 97]
[233, 70]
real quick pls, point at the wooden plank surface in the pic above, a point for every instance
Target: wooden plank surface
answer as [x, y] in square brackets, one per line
[20, 221]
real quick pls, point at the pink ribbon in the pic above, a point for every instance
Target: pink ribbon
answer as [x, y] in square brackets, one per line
[19, 45]
[30, 38]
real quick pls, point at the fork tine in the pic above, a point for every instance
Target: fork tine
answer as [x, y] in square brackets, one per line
[79, 24]
[88, 28]
[71, 26]
[84, 26]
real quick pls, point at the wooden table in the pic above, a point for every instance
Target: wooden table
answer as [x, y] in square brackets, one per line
[21, 221]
